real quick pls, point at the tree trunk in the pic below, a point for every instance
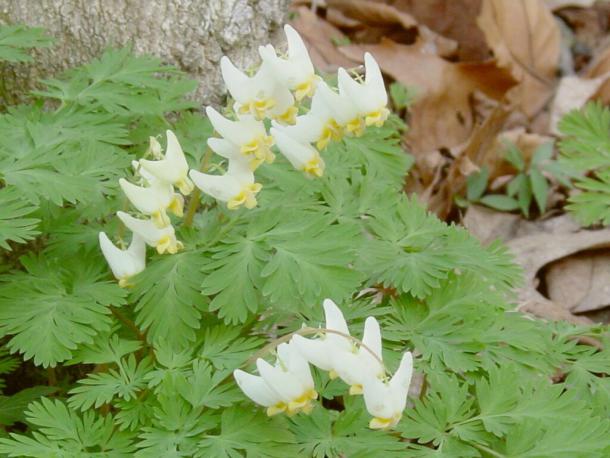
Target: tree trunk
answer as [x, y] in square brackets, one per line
[190, 34]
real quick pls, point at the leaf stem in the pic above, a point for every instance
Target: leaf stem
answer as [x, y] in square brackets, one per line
[488, 450]
[127, 322]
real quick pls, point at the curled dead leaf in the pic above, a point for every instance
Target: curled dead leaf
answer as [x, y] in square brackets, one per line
[580, 282]
[525, 39]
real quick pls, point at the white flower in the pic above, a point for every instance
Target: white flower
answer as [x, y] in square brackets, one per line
[319, 125]
[226, 149]
[385, 400]
[370, 97]
[296, 72]
[164, 239]
[247, 133]
[236, 187]
[320, 352]
[302, 156]
[286, 387]
[353, 366]
[154, 200]
[172, 168]
[339, 354]
[343, 108]
[259, 95]
[124, 263]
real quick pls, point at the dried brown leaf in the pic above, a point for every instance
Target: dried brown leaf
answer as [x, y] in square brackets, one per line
[558, 4]
[580, 282]
[374, 14]
[443, 115]
[454, 19]
[573, 92]
[601, 67]
[525, 39]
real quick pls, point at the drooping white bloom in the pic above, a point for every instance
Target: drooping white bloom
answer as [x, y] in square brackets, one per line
[124, 263]
[302, 156]
[285, 387]
[163, 239]
[319, 125]
[259, 95]
[247, 133]
[339, 354]
[296, 72]
[321, 351]
[173, 168]
[343, 108]
[370, 96]
[154, 200]
[236, 187]
[365, 360]
[386, 400]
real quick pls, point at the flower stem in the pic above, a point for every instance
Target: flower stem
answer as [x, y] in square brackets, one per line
[308, 331]
[195, 200]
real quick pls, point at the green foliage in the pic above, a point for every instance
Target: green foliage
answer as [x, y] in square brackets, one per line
[147, 371]
[586, 149]
[15, 40]
[530, 184]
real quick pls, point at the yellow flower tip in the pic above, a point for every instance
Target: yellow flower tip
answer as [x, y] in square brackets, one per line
[384, 423]
[333, 374]
[289, 116]
[185, 186]
[314, 167]
[323, 142]
[269, 157]
[355, 389]
[355, 127]
[331, 131]
[306, 88]
[302, 403]
[259, 150]
[258, 108]
[124, 282]
[177, 206]
[268, 140]
[164, 244]
[276, 409]
[246, 197]
[160, 219]
[377, 118]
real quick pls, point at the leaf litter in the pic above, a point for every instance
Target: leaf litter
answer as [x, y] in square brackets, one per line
[489, 73]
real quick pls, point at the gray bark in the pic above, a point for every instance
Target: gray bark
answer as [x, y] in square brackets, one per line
[190, 34]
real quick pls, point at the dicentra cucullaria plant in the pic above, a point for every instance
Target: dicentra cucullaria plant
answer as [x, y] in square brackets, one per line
[215, 343]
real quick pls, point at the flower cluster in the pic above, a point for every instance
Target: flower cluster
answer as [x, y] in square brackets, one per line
[288, 385]
[153, 196]
[277, 92]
